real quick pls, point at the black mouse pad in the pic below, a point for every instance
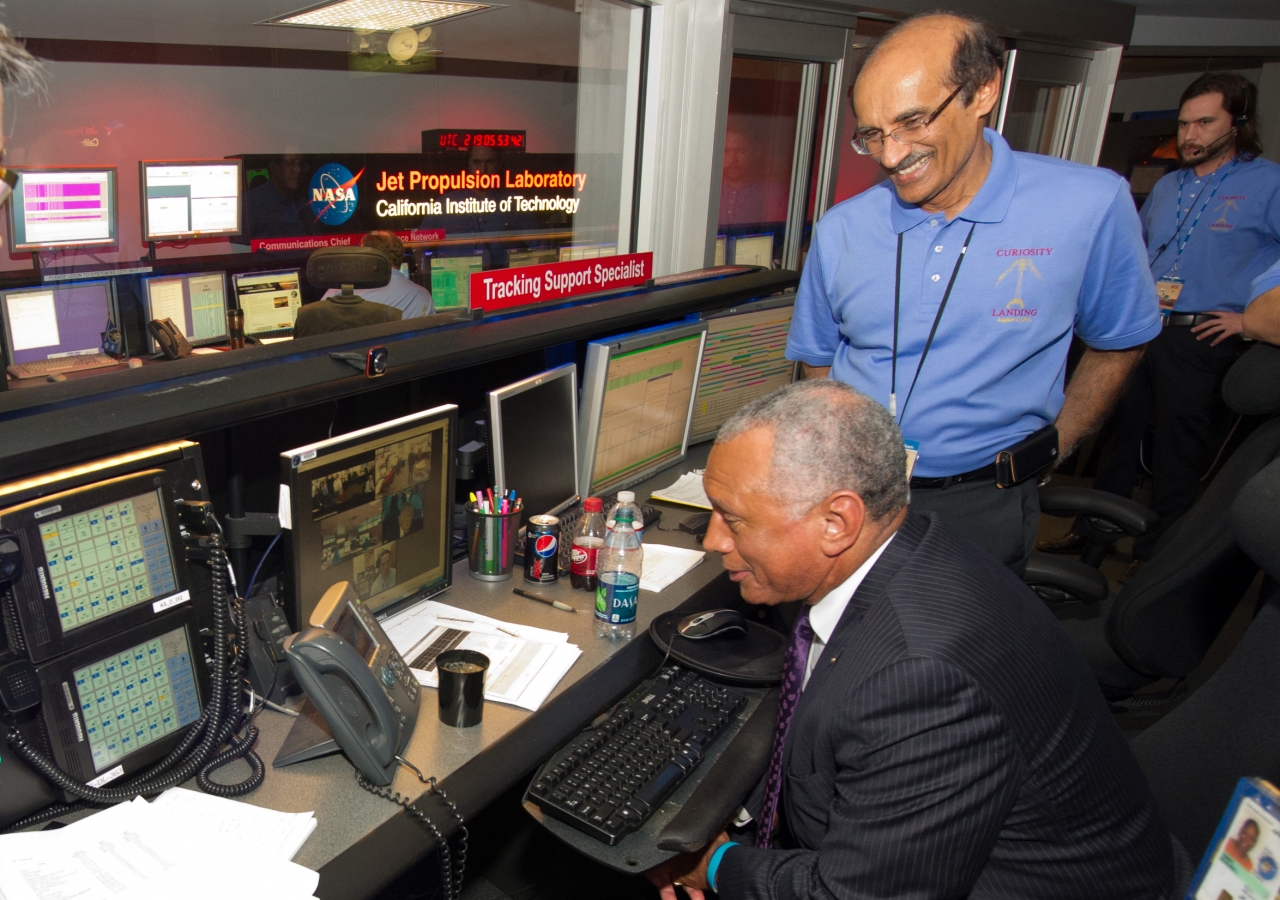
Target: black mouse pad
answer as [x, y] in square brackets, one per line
[751, 658]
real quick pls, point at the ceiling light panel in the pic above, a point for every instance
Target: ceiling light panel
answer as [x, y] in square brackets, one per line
[378, 15]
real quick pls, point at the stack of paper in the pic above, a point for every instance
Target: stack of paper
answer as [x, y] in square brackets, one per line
[687, 491]
[663, 564]
[185, 844]
[525, 663]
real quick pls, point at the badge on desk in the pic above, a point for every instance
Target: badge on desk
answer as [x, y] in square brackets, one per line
[1168, 288]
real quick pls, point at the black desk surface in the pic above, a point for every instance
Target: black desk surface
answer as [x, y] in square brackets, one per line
[363, 842]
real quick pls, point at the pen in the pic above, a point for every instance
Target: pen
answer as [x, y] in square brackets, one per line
[541, 599]
[512, 633]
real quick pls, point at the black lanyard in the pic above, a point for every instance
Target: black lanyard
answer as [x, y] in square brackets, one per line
[897, 301]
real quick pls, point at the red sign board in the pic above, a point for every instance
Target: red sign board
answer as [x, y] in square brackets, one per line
[500, 289]
[315, 242]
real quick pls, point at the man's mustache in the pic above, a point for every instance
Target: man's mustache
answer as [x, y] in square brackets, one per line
[910, 160]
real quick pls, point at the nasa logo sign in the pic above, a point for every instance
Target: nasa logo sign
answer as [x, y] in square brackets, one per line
[334, 193]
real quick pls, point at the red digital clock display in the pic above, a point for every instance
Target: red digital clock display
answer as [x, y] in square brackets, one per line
[446, 139]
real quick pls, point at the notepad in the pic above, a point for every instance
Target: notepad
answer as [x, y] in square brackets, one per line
[687, 491]
[663, 564]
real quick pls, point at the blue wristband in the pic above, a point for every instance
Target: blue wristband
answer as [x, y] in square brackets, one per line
[714, 866]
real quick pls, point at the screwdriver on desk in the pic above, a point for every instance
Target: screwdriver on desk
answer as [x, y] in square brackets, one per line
[541, 599]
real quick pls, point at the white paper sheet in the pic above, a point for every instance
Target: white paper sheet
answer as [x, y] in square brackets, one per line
[663, 564]
[687, 491]
[33, 321]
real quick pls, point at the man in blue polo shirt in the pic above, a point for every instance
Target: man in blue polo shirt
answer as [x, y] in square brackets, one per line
[411, 299]
[1212, 227]
[950, 292]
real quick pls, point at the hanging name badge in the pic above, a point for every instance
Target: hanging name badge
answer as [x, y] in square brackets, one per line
[1168, 288]
[913, 454]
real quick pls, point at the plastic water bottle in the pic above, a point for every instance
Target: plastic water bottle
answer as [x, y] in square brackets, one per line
[587, 541]
[628, 498]
[618, 567]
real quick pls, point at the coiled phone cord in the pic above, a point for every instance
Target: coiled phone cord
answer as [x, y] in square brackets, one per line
[222, 716]
[452, 866]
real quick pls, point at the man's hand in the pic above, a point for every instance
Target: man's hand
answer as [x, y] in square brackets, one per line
[1095, 387]
[688, 870]
[1224, 326]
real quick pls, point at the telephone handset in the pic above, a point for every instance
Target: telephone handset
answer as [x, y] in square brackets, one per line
[169, 338]
[358, 681]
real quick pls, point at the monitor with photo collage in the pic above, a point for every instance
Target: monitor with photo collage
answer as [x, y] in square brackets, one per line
[372, 508]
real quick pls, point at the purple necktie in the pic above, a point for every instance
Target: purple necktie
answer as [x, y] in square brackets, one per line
[794, 665]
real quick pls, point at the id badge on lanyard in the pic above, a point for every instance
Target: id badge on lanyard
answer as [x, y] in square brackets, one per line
[1169, 288]
[913, 454]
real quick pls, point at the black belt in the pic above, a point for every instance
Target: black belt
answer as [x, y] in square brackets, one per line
[985, 473]
[1186, 319]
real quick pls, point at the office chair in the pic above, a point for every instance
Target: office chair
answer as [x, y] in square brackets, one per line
[1161, 624]
[1226, 729]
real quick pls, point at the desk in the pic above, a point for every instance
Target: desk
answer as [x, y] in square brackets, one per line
[363, 842]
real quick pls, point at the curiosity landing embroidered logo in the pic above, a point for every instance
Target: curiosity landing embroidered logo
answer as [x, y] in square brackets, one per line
[1230, 203]
[1016, 310]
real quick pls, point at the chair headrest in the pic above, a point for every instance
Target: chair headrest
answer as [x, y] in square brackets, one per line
[1255, 519]
[361, 267]
[1252, 385]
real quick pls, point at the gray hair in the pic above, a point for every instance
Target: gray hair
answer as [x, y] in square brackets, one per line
[828, 437]
[18, 68]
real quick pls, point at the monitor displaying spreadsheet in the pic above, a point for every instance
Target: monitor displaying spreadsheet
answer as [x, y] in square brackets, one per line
[753, 250]
[637, 400]
[196, 303]
[54, 208]
[190, 198]
[451, 280]
[744, 359]
[270, 301]
[62, 319]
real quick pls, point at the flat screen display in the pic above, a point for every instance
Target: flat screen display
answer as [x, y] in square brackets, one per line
[53, 208]
[189, 199]
[270, 301]
[753, 250]
[534, 428]
[451, 280]
[196, 303]
[65, 319]
[372, 508]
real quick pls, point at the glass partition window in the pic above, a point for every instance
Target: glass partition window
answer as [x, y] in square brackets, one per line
[501, 134]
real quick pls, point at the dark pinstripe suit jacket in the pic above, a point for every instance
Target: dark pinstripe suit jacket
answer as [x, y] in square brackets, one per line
[952, 742]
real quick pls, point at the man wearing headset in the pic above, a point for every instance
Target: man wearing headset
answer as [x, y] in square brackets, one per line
[1212, 227]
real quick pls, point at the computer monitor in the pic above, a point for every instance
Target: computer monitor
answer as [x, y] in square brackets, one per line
[743, 360]
[190, 198]
[722, 244]
[637, 400]
[518, 258]
[270, 302]
[197, 304]
[451, 280]
[373, 507]
[58, 320]
[70, 206]
[576, 252]
[533, 430]
[753, 250]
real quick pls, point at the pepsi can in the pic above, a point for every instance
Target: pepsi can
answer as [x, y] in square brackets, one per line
[542, 550]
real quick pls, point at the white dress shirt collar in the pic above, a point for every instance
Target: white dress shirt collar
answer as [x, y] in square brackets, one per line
[825, 615]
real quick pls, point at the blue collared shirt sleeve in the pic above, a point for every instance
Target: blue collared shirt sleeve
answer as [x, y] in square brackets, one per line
[1267, 281]
[1118, 307]
[815, 332]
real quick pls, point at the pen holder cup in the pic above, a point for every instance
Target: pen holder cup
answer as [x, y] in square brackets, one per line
[491, 544]
[461, 674]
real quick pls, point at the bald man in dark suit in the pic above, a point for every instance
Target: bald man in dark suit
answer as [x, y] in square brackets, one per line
[938, 736]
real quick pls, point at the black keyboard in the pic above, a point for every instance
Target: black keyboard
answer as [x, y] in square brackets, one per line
[570, 517]
[614, 775]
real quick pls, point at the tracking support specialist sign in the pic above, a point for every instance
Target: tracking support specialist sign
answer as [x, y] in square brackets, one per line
[501, 289]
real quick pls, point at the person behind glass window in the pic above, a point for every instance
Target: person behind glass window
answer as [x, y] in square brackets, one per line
[411, 299]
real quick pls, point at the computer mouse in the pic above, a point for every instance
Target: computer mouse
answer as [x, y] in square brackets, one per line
[57, 376]
[712, 623]
[134, 363]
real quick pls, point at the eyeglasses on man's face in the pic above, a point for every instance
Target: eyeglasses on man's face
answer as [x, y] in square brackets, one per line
[871, 142]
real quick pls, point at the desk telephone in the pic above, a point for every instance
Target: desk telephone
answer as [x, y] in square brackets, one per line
[169, 338]
[358, 681]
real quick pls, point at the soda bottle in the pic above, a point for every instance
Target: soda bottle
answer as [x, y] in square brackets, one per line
[618, 567]
[588, 538]
[628, 498]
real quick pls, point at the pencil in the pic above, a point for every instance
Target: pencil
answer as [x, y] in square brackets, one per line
[541, 599]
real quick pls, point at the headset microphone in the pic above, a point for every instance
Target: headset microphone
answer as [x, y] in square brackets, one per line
[1213, 145]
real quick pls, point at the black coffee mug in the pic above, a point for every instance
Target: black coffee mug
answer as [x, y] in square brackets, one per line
[461, 692]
